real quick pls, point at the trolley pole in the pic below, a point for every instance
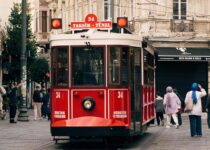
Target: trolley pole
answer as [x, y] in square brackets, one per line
[23, 115]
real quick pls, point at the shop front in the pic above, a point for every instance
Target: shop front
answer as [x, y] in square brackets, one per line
[180, 67]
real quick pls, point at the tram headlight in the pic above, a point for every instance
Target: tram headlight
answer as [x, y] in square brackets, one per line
[88, 103]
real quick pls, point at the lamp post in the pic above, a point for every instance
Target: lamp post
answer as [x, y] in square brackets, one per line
[23, 116]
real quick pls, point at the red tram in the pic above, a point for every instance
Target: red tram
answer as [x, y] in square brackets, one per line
[102, 84]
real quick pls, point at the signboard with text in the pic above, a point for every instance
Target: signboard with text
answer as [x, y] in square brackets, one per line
[189, 54]
[91, 22]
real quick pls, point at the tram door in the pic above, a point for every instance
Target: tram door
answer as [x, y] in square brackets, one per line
[135, 83]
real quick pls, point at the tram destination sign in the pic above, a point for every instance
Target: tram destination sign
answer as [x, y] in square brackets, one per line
[91, 22]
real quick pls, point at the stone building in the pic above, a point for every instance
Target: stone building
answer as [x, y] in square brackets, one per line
[178, 29]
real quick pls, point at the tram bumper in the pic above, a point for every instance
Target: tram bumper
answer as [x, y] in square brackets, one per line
[89, 127]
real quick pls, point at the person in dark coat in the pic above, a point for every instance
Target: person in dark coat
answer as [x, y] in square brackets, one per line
[12, 94]
[45, 104]
[37, 102]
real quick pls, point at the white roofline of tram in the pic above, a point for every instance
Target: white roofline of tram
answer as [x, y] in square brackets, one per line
[96, 38]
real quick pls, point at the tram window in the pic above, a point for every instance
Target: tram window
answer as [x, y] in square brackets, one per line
[118, 63]
[125, 51]
[87, 66]
[148, 68]
[114, 65]
[60, 66]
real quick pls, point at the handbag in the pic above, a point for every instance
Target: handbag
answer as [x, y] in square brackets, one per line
[188, 104]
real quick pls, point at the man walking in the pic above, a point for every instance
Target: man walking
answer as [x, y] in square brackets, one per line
[37, 101]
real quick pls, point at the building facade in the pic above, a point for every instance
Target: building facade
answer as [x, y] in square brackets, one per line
[178, 29]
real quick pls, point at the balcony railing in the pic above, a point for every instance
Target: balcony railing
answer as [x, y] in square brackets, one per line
[182, 26]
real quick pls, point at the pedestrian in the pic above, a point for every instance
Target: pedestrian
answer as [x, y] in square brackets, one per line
[208, 111]
[37, 102]
[195, 95]
[159, 109]
[13, 100]
[179, 113]
[45, 105]
[1, 102]
[171, 102]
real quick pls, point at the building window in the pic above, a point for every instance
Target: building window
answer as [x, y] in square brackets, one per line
[111, 9]
[179, 9]
[132, 9]
[44, 21]
[106, 9]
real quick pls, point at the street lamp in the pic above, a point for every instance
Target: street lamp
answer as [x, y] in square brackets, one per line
[23, 116]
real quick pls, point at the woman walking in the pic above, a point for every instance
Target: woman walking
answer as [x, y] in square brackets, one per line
[195, 96]
[171, 102]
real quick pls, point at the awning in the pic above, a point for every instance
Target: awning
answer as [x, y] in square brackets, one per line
[183, 54]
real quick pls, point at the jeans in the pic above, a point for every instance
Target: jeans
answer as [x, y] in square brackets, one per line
[159, 117]
[195, 125]
[12, 113]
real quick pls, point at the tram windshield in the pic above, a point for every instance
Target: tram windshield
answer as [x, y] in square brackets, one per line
[87, 66]
[60, 66]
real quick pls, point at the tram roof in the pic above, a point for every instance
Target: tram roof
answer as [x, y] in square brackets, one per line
[96, 37]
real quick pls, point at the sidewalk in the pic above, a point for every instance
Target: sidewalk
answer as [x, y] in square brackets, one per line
[35, 135]
[24, 135]
[179, 139]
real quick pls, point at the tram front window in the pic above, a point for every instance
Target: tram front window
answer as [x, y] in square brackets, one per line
[118, 66]
[87, 66]
[59, 66]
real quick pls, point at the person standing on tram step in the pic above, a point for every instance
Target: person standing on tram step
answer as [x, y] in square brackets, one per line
[195, 95]
[208, 110]
[159, 109]
[37, 102]
[171, 102]
[13, 101]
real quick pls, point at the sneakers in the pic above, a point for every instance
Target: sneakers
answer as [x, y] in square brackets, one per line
[177, 126]
[12, 121]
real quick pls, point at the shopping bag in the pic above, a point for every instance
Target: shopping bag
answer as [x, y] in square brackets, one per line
[188, 104]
